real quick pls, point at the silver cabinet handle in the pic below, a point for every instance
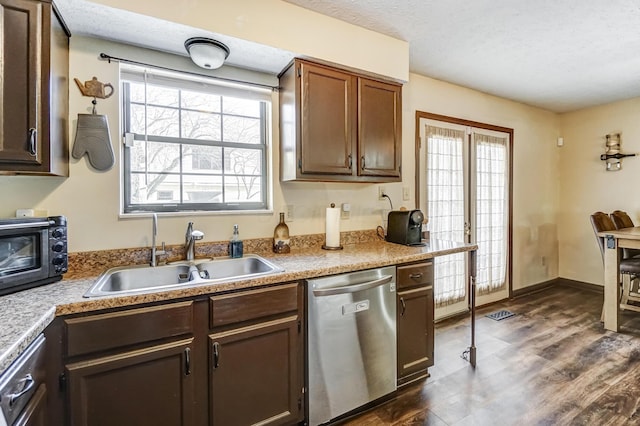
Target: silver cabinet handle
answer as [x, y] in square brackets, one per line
[33, 146]
[29, 383]
[216, 354]
[404, 306]
[415, 276]
[362, 162]
[352, 288]
[350, 161]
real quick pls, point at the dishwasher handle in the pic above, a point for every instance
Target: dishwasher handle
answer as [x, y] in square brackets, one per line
[353, 288]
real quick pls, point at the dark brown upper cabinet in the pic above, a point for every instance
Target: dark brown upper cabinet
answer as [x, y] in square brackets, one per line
[34, 89]
[336, 125]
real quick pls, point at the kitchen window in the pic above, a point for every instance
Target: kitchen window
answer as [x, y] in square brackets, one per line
[192, 143]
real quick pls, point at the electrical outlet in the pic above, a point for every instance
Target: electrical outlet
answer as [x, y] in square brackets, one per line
[381, 192]
[405, 193]
[288, 212]
[345, 211]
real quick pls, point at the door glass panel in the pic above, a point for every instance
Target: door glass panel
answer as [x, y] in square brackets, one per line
[446, 209]
[491, 212]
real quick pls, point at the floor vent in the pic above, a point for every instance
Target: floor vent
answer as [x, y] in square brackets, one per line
[500, 315]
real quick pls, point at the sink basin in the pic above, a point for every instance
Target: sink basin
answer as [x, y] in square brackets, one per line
[146, 279]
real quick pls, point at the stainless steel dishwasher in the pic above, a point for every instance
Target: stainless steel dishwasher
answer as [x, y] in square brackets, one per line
[351, 341]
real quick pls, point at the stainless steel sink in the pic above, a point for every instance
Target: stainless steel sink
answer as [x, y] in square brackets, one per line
[147, 279]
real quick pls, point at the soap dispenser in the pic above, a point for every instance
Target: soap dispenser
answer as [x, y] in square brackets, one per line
[235, 243]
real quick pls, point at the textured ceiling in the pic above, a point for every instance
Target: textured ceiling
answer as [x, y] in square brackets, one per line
[560, 55]
[92, 19]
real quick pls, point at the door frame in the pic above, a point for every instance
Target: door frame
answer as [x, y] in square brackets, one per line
[485, 126]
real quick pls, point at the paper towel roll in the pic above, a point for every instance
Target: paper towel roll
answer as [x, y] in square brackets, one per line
[332, 227]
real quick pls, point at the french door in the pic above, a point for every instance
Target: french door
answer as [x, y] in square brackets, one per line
[464, 174]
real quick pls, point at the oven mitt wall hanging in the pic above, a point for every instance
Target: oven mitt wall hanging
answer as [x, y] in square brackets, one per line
[92, 134]
[93, 139]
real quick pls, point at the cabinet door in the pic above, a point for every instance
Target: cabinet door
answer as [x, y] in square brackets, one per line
[20, 88]
[379, 133]
[35, 413]
[415, 332]
[255, 374]
[151, 386]
[327, 120]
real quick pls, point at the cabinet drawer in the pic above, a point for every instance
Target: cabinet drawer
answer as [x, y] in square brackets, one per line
[250, 305]
[118, 329]
[420, 274]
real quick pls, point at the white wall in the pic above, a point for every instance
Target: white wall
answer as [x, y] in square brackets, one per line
[535, 166]
[586, 187]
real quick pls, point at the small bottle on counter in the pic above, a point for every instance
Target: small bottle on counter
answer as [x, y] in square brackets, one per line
[281, 237]
[235, 244]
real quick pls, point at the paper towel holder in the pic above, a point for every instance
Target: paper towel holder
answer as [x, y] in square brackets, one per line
[326, 247]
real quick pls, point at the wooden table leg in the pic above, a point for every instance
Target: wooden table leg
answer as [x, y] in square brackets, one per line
[611, 284]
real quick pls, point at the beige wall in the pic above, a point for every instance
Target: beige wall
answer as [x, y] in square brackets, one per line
[535, 166]
[586, 187]
[91, 200]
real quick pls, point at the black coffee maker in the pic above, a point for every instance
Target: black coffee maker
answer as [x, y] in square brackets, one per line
[405, 227]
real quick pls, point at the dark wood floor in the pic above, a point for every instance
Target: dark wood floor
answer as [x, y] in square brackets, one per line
[551, 364]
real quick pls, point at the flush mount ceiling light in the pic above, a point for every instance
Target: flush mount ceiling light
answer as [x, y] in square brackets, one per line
[206, 53]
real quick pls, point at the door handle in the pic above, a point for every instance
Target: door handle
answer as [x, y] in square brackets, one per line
[352, 288]
[416, 276]
[216, 355]
[28, 385]
[350, 161]
[362, 162]
[187, 361]
[31, 138]
[404, 306]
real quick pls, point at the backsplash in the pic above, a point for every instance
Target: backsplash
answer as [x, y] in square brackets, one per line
[92, 263]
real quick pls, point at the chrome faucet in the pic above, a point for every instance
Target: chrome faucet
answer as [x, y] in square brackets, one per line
[154, 232]
[190, 241]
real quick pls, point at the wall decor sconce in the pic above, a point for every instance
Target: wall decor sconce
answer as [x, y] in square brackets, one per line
[92, 133]
[612, 155]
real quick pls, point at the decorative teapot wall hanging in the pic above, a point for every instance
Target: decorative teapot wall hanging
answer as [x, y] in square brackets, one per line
[92, 134]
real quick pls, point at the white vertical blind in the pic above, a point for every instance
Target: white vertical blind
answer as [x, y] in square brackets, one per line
[491, 212]
[445, 195]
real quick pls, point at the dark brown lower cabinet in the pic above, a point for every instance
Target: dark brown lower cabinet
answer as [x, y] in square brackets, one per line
[254, 376]
[151, 386]
[255, 357]
[415, 321]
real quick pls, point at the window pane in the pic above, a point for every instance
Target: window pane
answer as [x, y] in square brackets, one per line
[190, 153]
[138, 156]
[146, 188]
[239, 161]
[202, 189]
[160, 95]
[242, 188]
[240, 129]
[202, 159]
[201, 125]
[136, 121]
[136, 92]
[247, 107]
[205, 102]
[163, 157]
[162, 122]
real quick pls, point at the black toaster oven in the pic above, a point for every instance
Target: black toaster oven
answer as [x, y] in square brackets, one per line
[33, 252]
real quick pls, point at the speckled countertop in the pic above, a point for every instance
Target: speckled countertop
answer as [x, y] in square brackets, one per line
[25, 314]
